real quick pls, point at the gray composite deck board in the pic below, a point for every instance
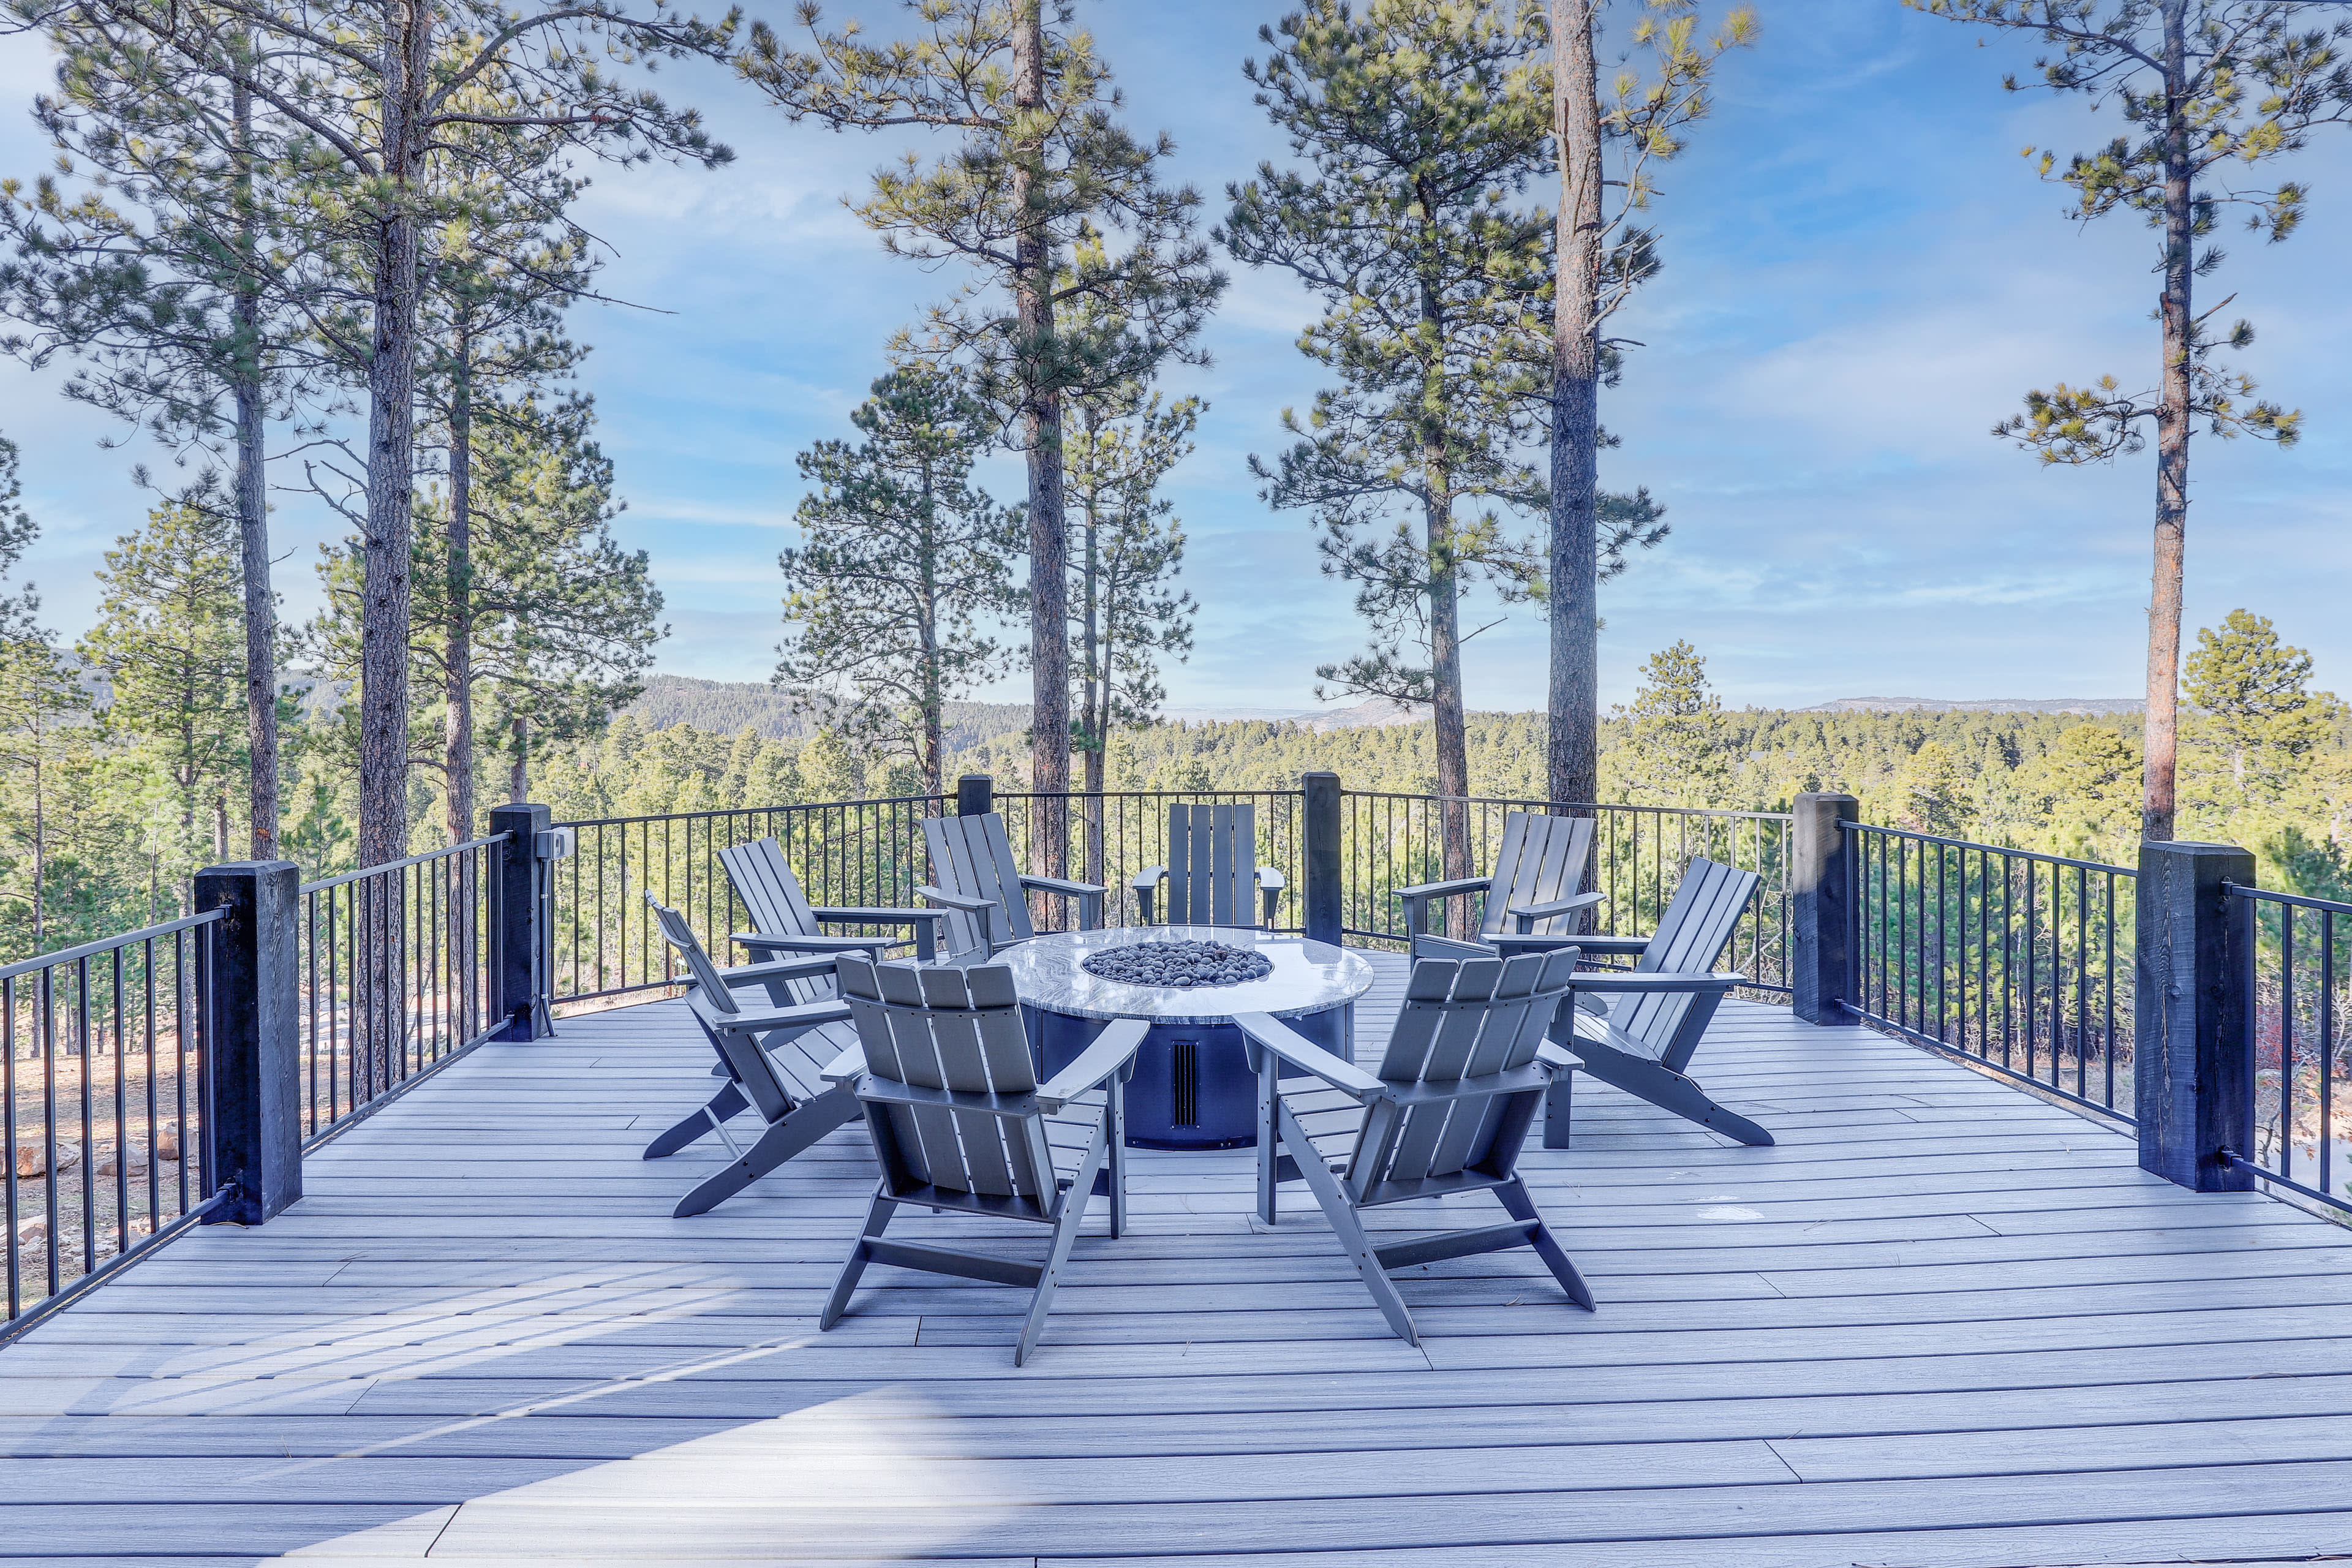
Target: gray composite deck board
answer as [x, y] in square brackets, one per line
[1941, 1323]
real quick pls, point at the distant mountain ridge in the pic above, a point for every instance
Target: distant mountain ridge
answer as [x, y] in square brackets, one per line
[728, 707]
[2088, 705]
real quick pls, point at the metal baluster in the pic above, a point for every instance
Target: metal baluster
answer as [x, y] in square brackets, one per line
[2327, 1049]
[2286, 1041]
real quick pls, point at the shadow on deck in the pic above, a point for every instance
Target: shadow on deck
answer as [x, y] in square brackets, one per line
[1941, 1322]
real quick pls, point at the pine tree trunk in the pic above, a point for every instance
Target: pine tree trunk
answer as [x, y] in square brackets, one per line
[2171, 443]
[458, 729]
[1573, 762]
[391, 439]
[934, 701]
[1094, 696]
[519, 775]
[379, 1005]
[1041, 433]
[253, 515]
[1445, 671]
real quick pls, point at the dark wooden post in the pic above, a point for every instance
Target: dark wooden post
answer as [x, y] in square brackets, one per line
[2192, 1036]
[975, 794]
[522, 915]
[1821, 879]
[1324, 899]
[255, 1038]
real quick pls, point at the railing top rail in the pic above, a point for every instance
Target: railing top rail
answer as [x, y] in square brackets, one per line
[1989, 848]
[107, 944]
[1135, 794]
[470, 844]
[752, 810]
[1572, 805]
[2271, 896]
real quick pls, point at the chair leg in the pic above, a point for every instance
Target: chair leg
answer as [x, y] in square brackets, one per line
[811, 1120]
[1065, 1235]
[1666, 1089]
[1116, 1160]
[729, 1101]
[1558, 1107]
[1519, 1205]
[1349, 1228]
[877, 1220]
[1269, 1091]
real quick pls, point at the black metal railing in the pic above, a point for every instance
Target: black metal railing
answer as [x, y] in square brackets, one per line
[106, 1105]
[394, 966]
[2297, 968]
[845, 853]
[1111, 837]
[1390, 841]
[2019, 961]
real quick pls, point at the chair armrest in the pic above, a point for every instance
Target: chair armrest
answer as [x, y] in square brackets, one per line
[807, 1016]
[1509, 944]
[782, 969]
[768, 942]
[1511, 1080]
[1528, 914]
[1266, 1030]
[1113, 1049]
[963, 901]
[1633, 946]
[850, 1065]
[1427, 946]
[1444, 890]
[1148, 878]
[1059, 885]
[866, 917]
[1606, 983]
[1270, 880]
[1554, 1057]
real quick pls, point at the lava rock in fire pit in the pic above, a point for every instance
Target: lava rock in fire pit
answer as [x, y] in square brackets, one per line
[1181, 965]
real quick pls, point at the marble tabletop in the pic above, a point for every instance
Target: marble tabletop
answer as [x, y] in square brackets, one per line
[1307, 977]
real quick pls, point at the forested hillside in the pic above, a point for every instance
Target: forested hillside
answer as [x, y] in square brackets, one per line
[732, 707]
[2266, 761]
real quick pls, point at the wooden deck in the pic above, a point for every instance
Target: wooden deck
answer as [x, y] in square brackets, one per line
[1941, 1323]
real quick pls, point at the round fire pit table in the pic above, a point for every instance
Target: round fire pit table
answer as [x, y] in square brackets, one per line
[1193, 1088]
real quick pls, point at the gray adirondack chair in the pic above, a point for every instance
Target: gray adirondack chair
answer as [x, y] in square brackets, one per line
[1447, 1112]
[783, 921]
[1533, 889]
[987, 897]
[960, 1125]
[1212, 870]
[776, 1057]
[1638, 1031]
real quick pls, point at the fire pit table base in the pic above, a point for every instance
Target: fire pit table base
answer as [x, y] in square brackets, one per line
[1193, 1088]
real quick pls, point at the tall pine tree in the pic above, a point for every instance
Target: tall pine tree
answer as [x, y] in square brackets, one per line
[1600, 254]
[2208, 87]
[1422, 123]
[890, 595]
[1040, 175]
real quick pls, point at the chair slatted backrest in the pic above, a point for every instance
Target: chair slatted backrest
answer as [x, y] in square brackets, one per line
[1691, 935]
[1541, 859]
[714, 1004]
[958, 1029]
[706, 978]
[1212, 865]
[774, 901]
[973, 855]
[1461, 1019]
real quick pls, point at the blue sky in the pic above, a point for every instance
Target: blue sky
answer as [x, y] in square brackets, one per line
[1862, 275]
